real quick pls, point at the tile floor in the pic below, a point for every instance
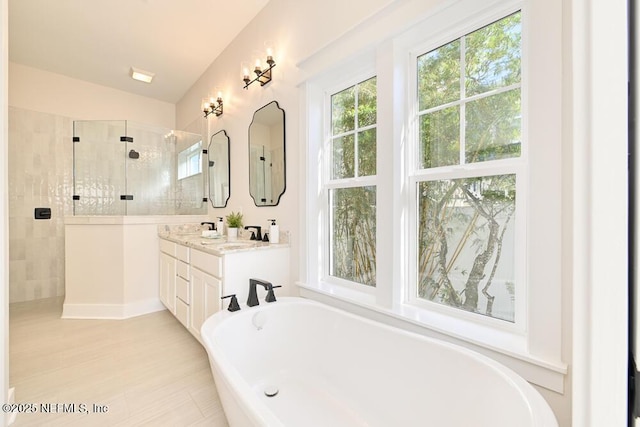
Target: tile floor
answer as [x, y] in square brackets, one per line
[147, 371]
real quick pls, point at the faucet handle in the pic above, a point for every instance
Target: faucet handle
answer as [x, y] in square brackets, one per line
[257, 235]
[271, 296]
[233, 305]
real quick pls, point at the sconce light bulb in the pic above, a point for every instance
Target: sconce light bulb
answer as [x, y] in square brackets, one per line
[244, 67]
[268, 47]
[258, 68]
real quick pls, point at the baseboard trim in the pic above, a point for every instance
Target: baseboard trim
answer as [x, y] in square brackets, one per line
[111, 311]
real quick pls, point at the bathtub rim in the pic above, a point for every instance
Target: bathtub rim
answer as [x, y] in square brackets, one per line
[539, 409]
[544, 372]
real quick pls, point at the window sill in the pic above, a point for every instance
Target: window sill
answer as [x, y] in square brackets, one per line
[506, 347]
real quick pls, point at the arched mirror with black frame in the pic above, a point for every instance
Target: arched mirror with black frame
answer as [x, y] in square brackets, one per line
[267, 166]
[219, 169]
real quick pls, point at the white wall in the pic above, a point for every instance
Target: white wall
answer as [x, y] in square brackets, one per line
[46, 92]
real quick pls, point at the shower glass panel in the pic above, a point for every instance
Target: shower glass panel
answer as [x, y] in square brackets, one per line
[99, 167]
[126, 168]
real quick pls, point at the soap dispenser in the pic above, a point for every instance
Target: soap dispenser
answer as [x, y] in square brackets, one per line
[274, 232]
[220, 226]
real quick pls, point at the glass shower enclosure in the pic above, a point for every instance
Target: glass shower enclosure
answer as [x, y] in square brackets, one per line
[126, 168]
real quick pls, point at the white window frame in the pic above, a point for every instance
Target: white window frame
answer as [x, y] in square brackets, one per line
[184, 161]
[332, 184]
[514, 165]
[520, 307]
[533, 348]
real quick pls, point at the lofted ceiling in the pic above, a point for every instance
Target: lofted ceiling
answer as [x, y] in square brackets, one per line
[100, 40]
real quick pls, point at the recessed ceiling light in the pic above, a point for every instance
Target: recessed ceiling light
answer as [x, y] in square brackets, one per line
[141, 75]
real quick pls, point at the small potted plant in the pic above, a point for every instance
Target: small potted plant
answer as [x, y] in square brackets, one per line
[234, 221]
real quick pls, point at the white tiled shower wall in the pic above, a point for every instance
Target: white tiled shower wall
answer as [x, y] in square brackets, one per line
[40, 175]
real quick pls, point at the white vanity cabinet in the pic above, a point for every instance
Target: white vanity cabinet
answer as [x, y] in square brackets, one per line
[182, 291]
[174, 279]
[168, 274]
[168, 281]
[192, 281]
[206, 288]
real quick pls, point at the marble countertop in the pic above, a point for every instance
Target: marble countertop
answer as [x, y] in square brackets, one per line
[192, 237]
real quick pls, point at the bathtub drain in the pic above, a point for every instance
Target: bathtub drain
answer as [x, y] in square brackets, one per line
[270, 391]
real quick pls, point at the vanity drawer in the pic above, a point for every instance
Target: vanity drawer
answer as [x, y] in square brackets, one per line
[182, 289]
[182, 312]
[182, 253]
[208, 263]
[182, 269]
[168, 247]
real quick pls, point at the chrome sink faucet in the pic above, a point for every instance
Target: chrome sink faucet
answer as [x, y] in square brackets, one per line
[253, 294]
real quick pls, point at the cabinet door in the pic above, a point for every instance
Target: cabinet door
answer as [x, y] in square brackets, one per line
[168, 281]
[205, 299]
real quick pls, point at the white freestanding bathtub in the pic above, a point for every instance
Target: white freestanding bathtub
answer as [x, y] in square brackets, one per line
[326, 367]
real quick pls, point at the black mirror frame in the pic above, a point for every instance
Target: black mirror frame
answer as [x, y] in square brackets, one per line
[209, 165]
[284, 152]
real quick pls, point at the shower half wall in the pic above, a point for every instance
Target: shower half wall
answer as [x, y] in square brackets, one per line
[127, 179]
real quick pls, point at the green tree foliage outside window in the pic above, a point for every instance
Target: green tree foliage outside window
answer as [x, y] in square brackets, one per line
[353, 209]
[489, 105]
[466, 234]
[469, 101]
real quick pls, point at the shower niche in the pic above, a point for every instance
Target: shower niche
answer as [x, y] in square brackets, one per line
[126, 168]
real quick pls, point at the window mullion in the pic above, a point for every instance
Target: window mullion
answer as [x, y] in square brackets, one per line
[356, 169]
[350, 132]
[463, 95]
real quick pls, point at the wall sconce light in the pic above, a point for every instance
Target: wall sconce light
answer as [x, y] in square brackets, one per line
[262, 76]
[212, 106]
